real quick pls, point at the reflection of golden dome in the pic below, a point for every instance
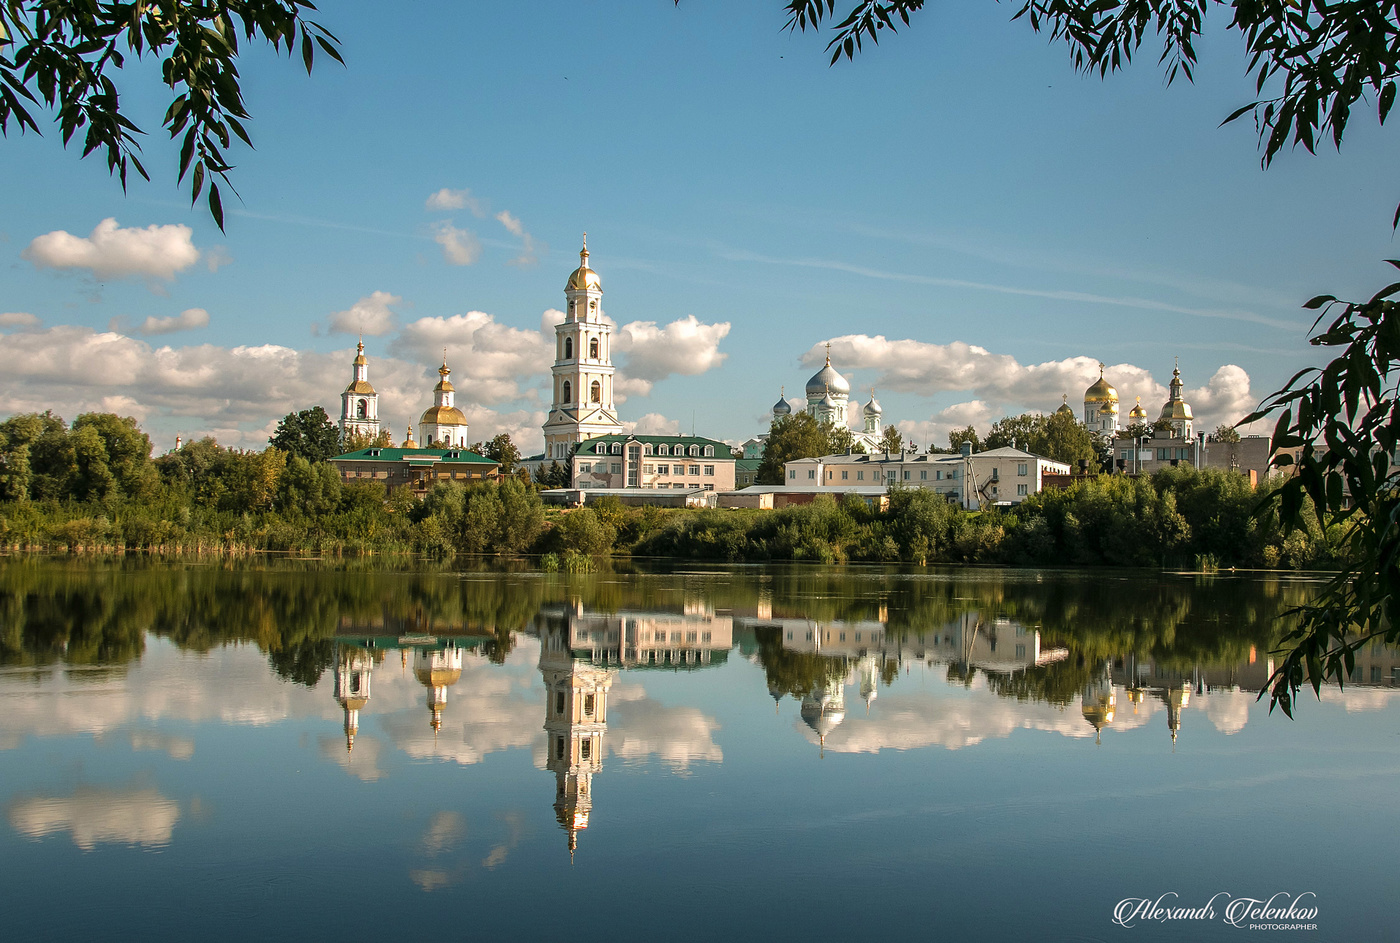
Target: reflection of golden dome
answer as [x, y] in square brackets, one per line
[444, 416]
[1101, 391]
[438, 677]
[354, 703]
[583, 277]
[1100, 715]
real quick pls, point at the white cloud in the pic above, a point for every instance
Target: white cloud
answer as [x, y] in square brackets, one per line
[446, 199]
[186, 320]
[686, 346]
[528, 255]
[372, 315]
[98, 815]
[156, 252]
[18, 319]
[654, 424]
[492, 361]
[217, 257]
[459, 246]
[1006, 386]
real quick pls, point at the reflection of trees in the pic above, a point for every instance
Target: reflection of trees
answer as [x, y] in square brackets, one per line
[795, 673]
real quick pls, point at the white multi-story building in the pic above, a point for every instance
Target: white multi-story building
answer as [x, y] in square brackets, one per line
[972, 479]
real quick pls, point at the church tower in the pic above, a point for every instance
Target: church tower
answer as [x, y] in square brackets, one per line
[582, 406]
[359, 404]
[1176, 410]
[575, 719]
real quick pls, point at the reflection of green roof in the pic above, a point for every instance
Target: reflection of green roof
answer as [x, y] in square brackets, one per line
[414, 456]
[425, 642]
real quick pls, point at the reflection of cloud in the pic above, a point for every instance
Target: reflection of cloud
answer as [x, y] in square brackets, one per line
[1228, 710]
[92, 815]
[362, 762]
[677, 736]
[431, 879]
[959, 719]
[443, 832]
[1361, 699]
[179, 748]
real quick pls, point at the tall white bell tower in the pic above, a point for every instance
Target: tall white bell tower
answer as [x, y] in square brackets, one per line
[359, 404]
[582, 406]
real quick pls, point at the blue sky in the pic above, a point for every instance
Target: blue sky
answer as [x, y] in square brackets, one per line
[958, 187]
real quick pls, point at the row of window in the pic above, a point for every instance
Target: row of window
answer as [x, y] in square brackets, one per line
[875, 474]
[595, 392]
[615, 468]
[569, 348]
[695, 451]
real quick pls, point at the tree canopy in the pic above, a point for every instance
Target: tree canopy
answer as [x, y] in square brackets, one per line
[795, 436]
[67, 55]
[309, 434]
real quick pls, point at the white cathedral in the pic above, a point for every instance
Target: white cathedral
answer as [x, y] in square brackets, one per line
[828, 400]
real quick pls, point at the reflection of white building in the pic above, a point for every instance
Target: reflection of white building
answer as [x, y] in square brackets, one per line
[437, 671]
[575, 720]
[633, 638]
[824, 707]
[352, 676]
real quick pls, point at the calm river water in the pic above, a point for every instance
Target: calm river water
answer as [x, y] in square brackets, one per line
[330, 751]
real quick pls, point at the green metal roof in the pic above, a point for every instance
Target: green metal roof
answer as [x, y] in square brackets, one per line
[449, 456]
[747, 464]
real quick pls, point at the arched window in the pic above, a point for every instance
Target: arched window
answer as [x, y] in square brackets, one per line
[593, 348]
[709, 451]
[601, 449]
[568, 392]
[593, 305]
[568, 348]
[596, 392]
[360, 410]
[663, 449]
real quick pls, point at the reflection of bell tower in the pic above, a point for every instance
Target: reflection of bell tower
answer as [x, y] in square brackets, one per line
[352, 674]
[1177, 696]
[1099, 702]
[437, 671]
[824, 707]
[575, 719]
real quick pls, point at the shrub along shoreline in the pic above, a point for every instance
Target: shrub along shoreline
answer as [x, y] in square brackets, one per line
[1178, 518]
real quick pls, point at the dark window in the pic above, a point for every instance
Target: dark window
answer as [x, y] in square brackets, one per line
[569, 344]
[596, 392]
[568, 392]
[559, 702]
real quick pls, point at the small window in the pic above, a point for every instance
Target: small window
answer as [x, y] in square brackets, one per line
[593, 348]
[616, 468]
[695, 470]
[844, 473]
[663, 469]
[617, 448]
[906, 475]
[710, 470]
[559, 748]
[558, 702]
[860, 475]
[695, 451]
[649, 469]
[646, 449]
[588, 705]
[568, 392]
[1022, 469]
[585, 466]
[811, 473]
[585, 749]
[792, 473]
[595, 392]
[569, 341]
[1022, 490]
[923, 475]
[663, 449]
[709, 451]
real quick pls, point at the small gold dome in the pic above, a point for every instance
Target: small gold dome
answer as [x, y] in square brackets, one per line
[583, 277]
[408, 443]
[444, 385]
[1137, 413]
[443, 416]
[438, 677]
[360, 360]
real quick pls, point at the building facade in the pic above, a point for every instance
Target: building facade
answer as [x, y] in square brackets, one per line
[416, 469]
[654, 461]
[973, 479]
[582, 405]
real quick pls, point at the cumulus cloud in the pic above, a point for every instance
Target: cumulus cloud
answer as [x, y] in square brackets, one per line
[186, 320]
[99, 816]
[650, 353]
[493, 360]
[109, 251]
[528, 255]
[18, 319]
[459, 246]
[446, 199]
[654, 424]
[372, 315]
[1004, 385]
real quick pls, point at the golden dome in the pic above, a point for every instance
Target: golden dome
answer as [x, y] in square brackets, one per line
[360, 360]
[1064, 406]
[443, 416]
[583, 277]
[444, 385]
[360, 386]
[438, 677]
[1176, 410]
[1101, 391]
[1137, 413]
[409, 443]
